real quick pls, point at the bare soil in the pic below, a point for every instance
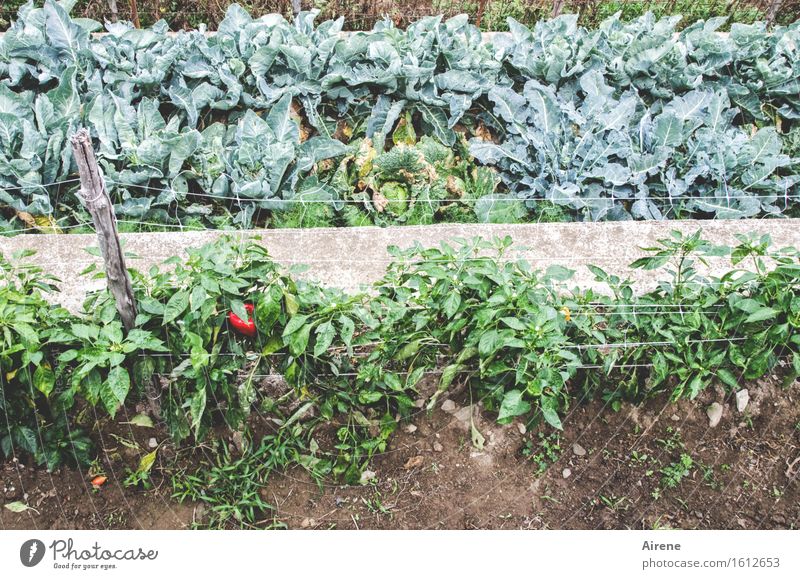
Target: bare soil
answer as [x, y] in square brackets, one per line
[744, 474]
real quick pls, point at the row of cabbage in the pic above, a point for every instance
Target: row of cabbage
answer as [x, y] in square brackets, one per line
[628, 120]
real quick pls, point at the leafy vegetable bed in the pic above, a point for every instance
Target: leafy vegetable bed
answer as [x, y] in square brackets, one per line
[464, 316]
[279, 124]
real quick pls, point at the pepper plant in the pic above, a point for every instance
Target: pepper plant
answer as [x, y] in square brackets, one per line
[34, 402]
[468, 315]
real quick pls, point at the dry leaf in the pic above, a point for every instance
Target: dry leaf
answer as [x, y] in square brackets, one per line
[295, 112]
[414, 462]
[453, 187]
[26, 218]
[379, 201]
[483, 133]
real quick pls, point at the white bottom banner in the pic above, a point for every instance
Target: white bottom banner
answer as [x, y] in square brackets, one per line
[388, 554]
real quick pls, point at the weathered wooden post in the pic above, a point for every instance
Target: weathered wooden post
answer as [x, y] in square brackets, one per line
[479, 15]
[95, 198]
[296, 7]
[135, 14]
[772, 10]
[112, 6]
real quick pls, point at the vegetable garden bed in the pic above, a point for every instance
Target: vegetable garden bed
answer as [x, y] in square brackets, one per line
[273, 124]
[237, 352]
[337, 374]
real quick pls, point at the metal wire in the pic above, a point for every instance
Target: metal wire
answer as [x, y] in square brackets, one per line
[29, 184]
[448, 200]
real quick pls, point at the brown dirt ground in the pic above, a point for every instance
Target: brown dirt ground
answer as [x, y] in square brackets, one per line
[744, 475]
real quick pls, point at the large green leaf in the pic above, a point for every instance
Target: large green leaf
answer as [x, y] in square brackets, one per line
[114, 390]
[62, 32]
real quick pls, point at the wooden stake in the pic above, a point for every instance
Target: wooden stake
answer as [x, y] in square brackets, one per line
[135, 14]
[112, 5]
[479, 15]
[95, 198]
[296, 7]
[773, 10]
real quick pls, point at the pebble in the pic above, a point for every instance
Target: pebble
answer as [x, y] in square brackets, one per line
[521, 428]
[410, 428]
[578, 450]
[742, 398]
[152, 443]
[675, 418]
[449, 406]
[464, 414]
[714, 413]
[566, 473]
[419, 402]
[367, 476]
[308, 523]
[437, 447]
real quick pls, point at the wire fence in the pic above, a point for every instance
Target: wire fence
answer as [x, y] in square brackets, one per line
[363, 14]
[184, 199]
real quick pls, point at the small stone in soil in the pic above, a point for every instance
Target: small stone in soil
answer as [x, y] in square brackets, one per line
[152, 443]
[742, 399]
[578, 450]
[238, 440]
[437, 447]
[199, 512]
[521, 428]
[566, 473]
[410, 428]
[464, 414]
[714, 413]
[675, 418]
[308, 523]
[448, 406]
[367, 476]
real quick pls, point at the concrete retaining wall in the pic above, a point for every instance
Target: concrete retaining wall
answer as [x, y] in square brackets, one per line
[353, 258]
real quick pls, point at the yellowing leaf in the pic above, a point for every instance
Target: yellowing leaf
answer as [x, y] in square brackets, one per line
[146, 462]
[47, 224]
[142, 420]
[366, 154]
[19, 507]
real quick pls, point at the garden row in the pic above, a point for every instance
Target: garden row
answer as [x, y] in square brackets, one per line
[224, 333]
[269, 123]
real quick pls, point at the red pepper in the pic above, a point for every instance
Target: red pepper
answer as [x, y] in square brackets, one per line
[247, 328]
